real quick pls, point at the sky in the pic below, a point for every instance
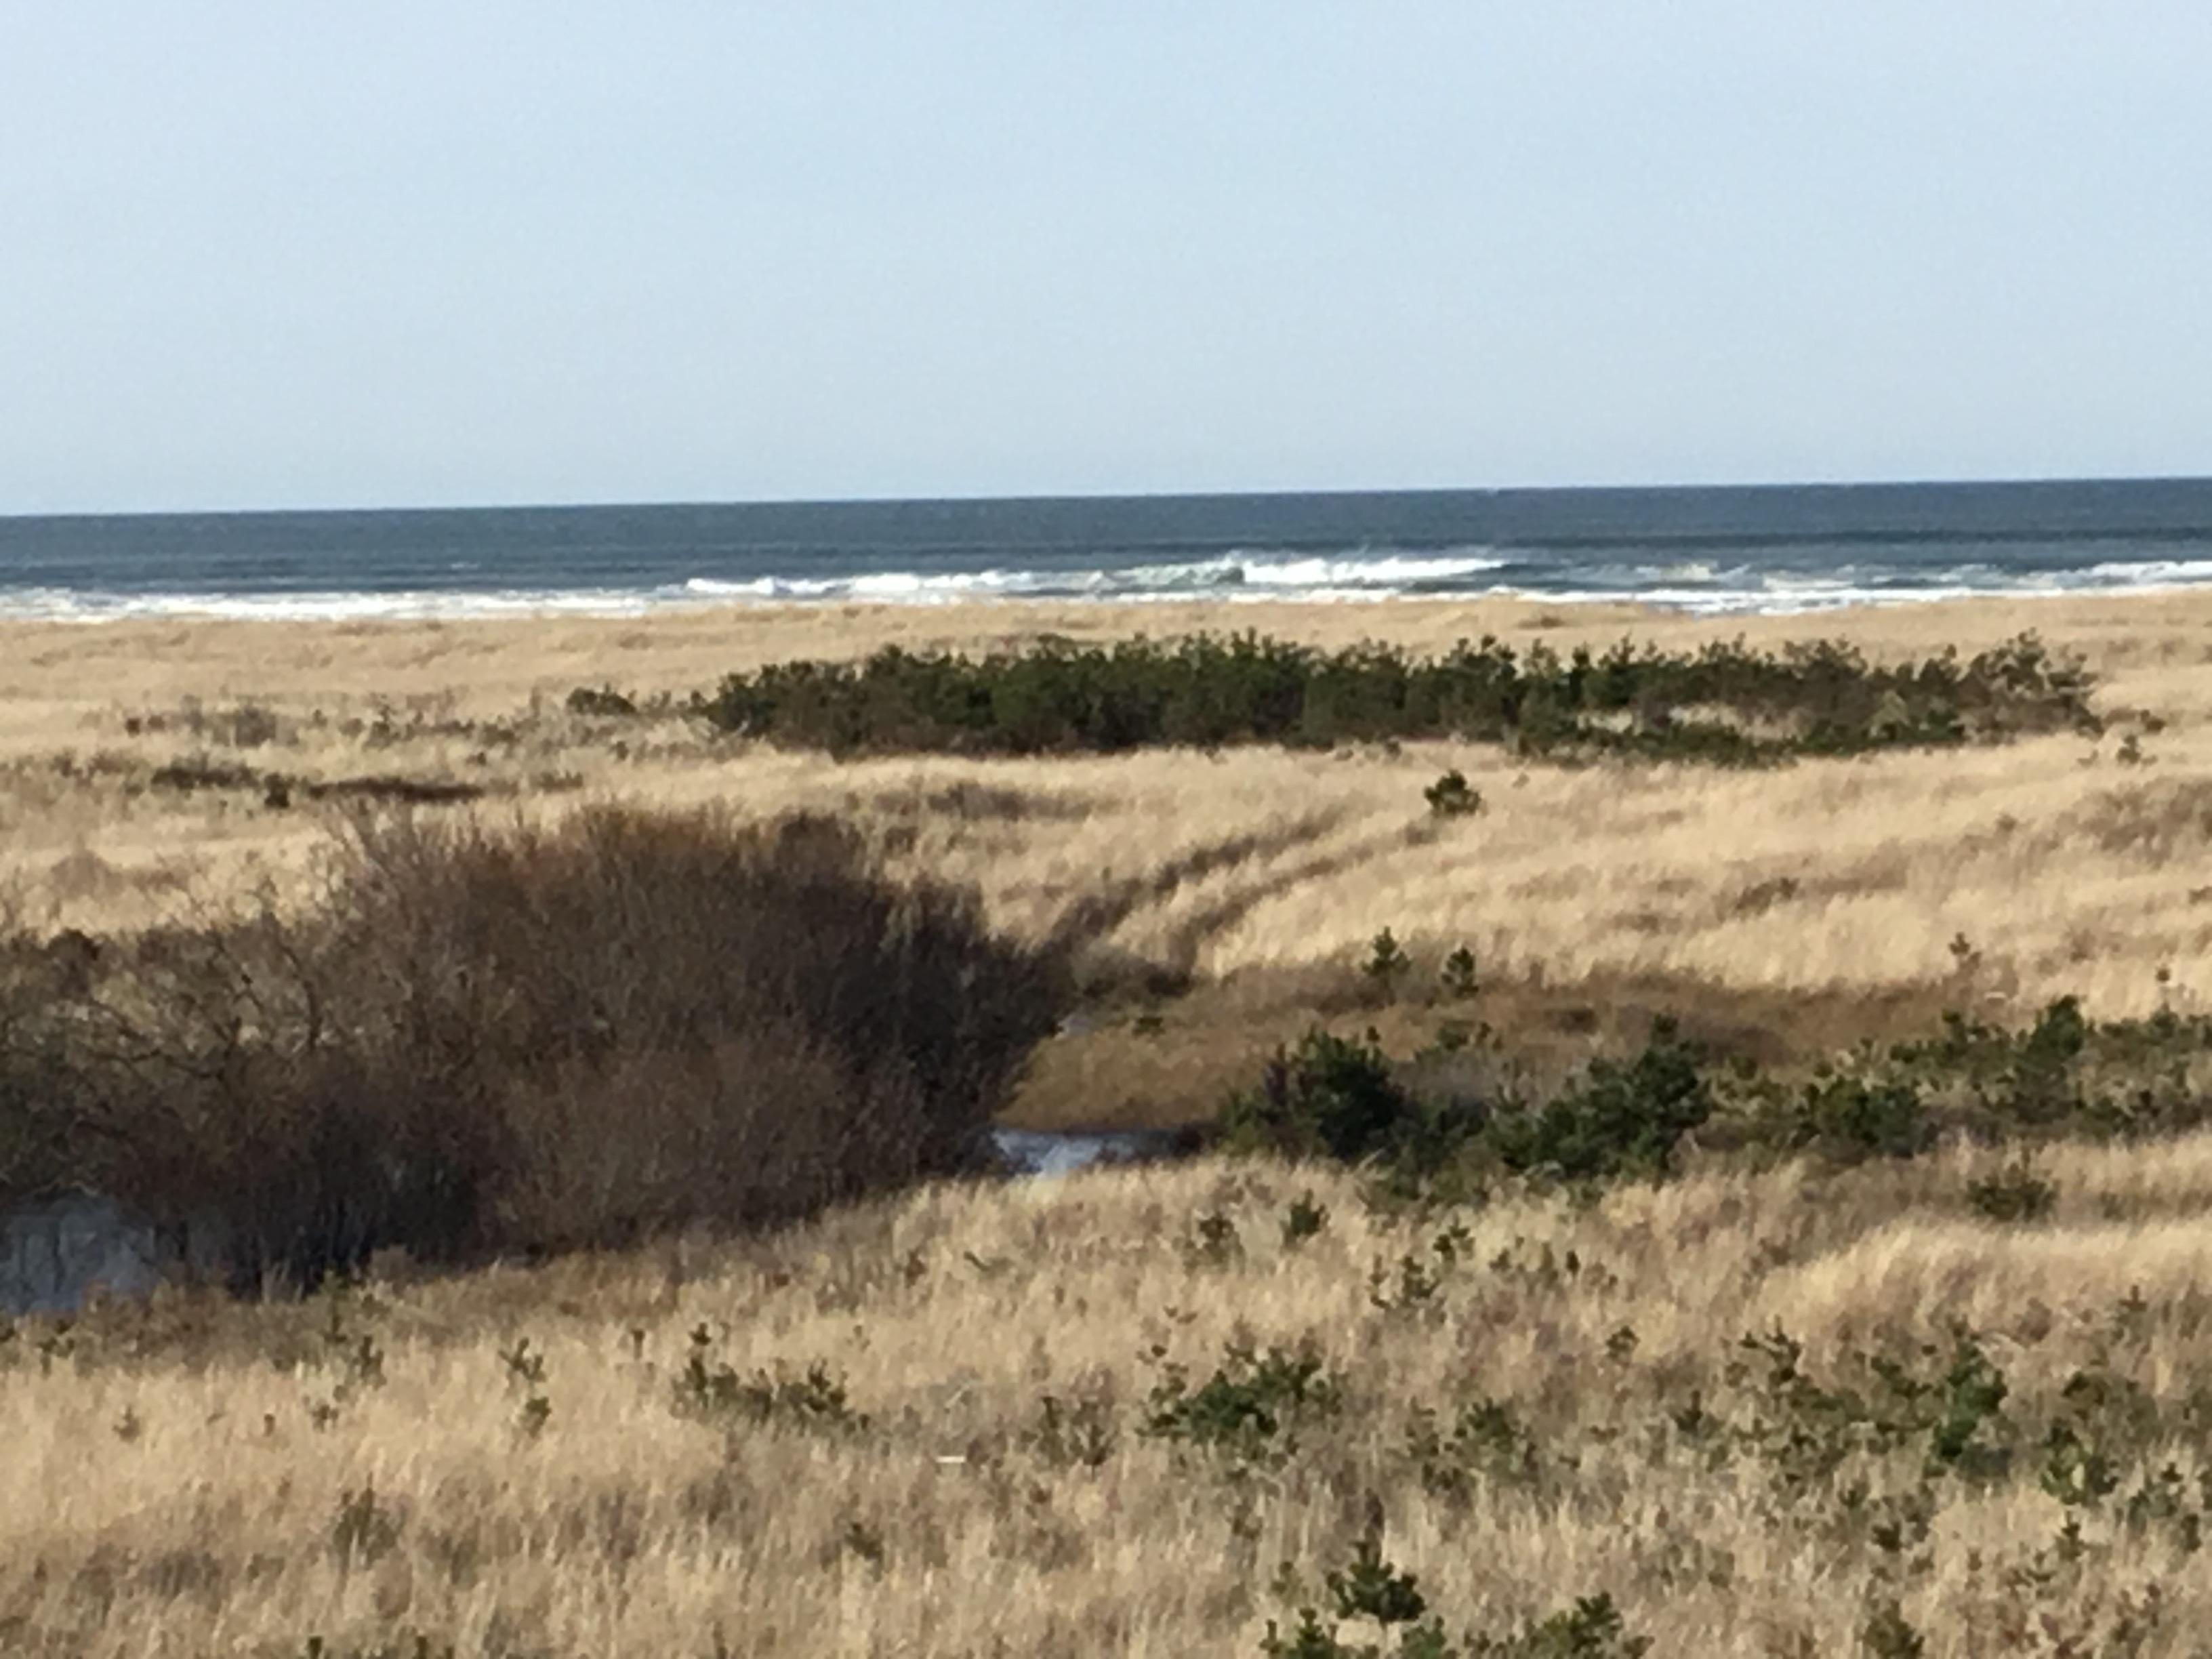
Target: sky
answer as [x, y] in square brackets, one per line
[298, 254]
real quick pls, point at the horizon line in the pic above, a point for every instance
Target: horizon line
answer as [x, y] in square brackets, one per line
[1024, 498]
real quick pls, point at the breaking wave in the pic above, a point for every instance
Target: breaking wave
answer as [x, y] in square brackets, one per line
[1783, 579]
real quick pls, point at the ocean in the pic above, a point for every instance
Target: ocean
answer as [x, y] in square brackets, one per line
[1720, 550]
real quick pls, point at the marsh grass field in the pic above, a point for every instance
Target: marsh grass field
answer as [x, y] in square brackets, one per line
[633, 1454]
[1800, 907]
[1944, 1395]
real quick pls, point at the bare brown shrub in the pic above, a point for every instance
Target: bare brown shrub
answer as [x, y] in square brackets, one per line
[515, 1040]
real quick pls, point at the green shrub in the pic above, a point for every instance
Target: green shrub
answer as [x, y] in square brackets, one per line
[1485, 1441]
[1329, 1095]
[1591, 1629]
[1387, 965]
[1213, 1242]
[2062, 1074]
[1247, 1404]
[1972, 1393]
[1855, 1118]
[1451, 797]
[1458, 974]
[1816, 698]
[1371, 1588]
[1618, 1119]
[1341, 1098]
[1304, 1219]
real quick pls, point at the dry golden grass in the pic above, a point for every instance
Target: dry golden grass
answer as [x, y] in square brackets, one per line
[187, 1502]
[1252, 879]
[207, 1480]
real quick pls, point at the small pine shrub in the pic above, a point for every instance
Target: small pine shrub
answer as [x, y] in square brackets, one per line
[2075, 1473]
[1618, 1120]
[1851, 1117]
[1591, 1629]
[1304, 1219]
[525, 1378]
[1486, 1441]
[1371, 1588]
[1458, 974]
[1213, 1242]
[1451, 797]
[1414, 1284]
[1247, 1404]
[1329, 1095]
[711, 1391]
[365, 1529]
[1972, 1396]
[1387, 965]
[2014, 1194]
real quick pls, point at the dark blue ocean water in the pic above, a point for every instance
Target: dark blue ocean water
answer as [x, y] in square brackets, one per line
[1707, 549]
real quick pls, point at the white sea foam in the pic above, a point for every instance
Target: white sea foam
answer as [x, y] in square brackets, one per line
[2154, 573]
[1281, 575]
[1698, 587]
[61, 604]
[1707, 601]
[1384, 570]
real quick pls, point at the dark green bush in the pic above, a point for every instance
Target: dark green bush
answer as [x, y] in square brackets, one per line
[1304, 1219]
[1371, 1588]
[1818, 698]
[1458, 974]
[1451, 796]
[1251, 1401]
[1328, 1095]
[1851, 1117]
[1619, 1119]
[1339, 1098]
[1387, 965]
[2062, 1074]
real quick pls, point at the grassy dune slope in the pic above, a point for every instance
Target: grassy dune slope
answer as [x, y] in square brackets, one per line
[515, 1463]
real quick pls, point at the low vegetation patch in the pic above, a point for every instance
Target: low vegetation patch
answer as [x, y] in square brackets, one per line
[2061, 1075]
[1726, 704]
[1793, 1409]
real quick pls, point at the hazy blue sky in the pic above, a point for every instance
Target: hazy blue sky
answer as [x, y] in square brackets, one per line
[384, 253]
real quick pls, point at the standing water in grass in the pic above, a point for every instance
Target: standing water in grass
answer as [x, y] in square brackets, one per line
[1712, 550]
